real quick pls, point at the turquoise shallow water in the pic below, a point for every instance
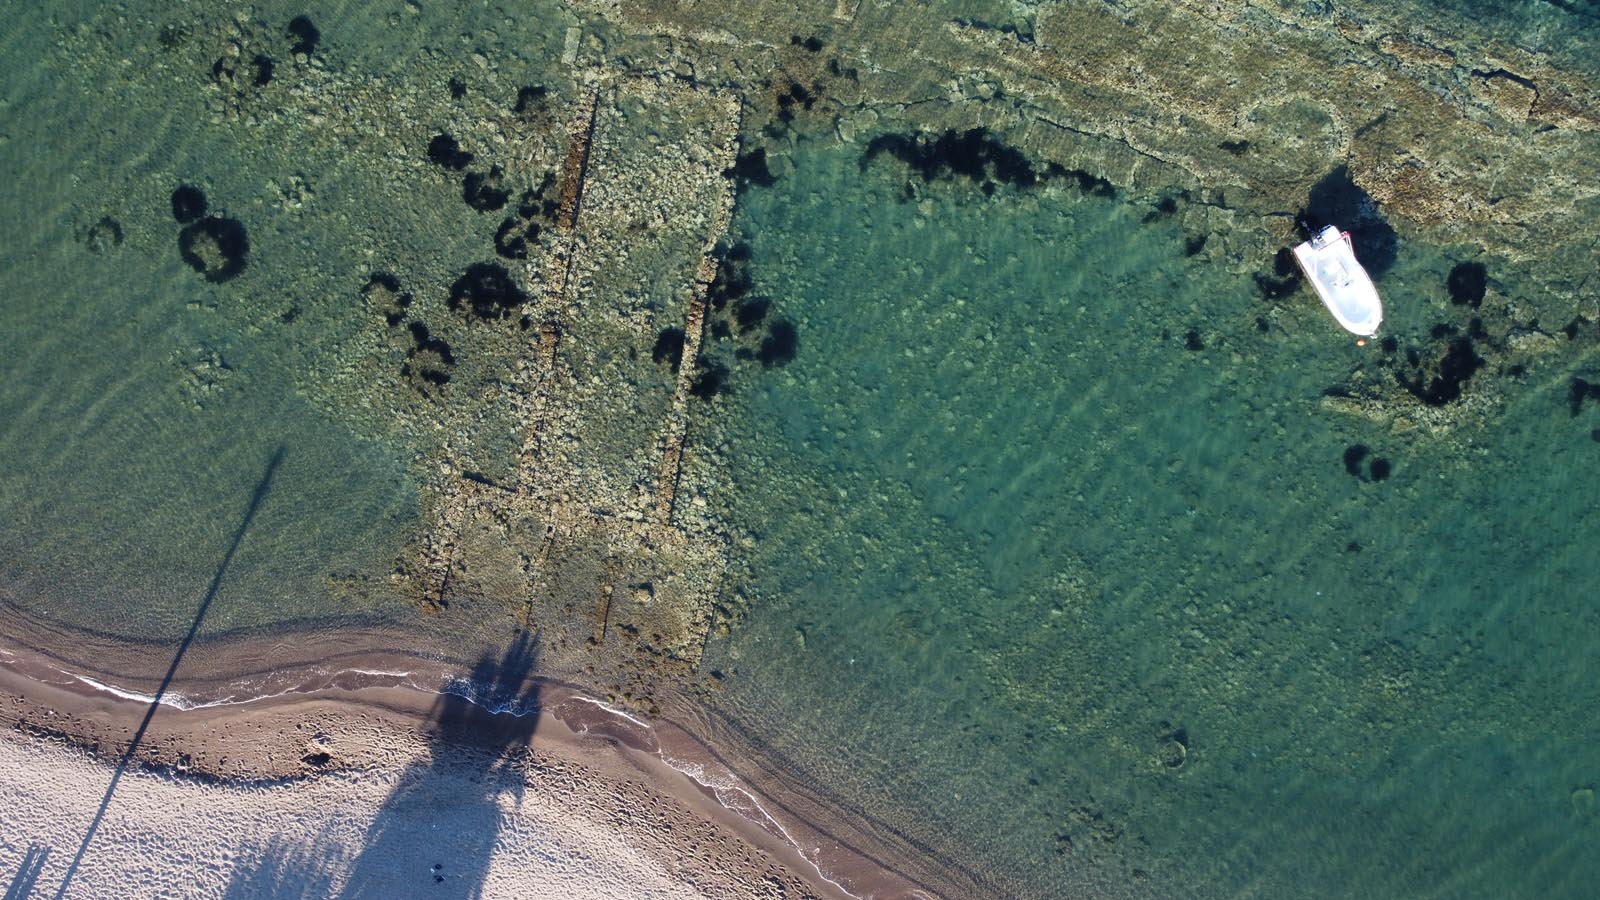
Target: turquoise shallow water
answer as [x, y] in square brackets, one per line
[1017, 542]
[1056, 565]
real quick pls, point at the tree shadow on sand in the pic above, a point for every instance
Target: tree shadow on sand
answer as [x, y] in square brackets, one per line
[435, 833]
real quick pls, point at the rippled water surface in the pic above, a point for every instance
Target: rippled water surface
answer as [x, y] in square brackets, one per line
[1061, 565]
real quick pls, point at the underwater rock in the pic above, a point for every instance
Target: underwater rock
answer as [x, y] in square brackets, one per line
[1338, 201]
[188, 203]
[1468, 282]
[215, 247]
[487, 291]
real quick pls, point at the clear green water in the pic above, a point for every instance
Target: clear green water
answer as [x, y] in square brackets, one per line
[1013, 537]
[1018, 551]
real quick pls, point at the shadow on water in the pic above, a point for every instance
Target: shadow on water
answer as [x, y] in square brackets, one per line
[435, 832]
[27, 876]
[260, 494]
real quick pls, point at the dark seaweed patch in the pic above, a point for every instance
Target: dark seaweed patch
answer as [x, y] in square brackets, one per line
[1579, 391]
[796, 94]
[456, 87]
[1379, 469]
[305, 34]
[710, 381]
[188, 203]
[1468, 282]
[263, 68]
[485, 191]
[750, 311]
[1285, 278]
[430, 361]
[1237, 148]
[1193, 245]
[732, 280]
[529, 99]
[750, 167]
[215, 247]
[668, 348]
[382, 293]
[511, 240]
[974, 154]
[780, 344]
[1443, 384]
[535, 205]
[444, 151]
[487, 291]
[1192, 341]
[1353, 455]
[1165, 207]
[103, 235]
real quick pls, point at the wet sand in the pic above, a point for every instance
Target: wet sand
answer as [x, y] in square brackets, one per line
[351, 783]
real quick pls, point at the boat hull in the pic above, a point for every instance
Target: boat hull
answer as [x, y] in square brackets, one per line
[1329, 263]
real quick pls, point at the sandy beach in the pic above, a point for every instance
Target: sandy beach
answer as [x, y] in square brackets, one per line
[383, 789]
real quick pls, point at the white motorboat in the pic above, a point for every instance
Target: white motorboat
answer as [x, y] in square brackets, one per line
[1329, 263]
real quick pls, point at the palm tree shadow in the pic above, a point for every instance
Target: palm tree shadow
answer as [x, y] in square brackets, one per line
[438, 828]
[436, 831]
[27, 876]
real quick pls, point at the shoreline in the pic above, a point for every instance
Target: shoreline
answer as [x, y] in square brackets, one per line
[323, 721]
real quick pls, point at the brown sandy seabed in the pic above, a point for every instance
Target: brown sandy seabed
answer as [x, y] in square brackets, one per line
[1461, 140]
